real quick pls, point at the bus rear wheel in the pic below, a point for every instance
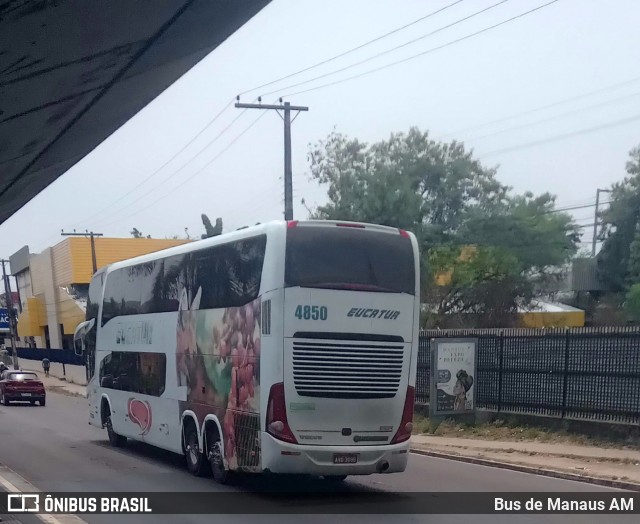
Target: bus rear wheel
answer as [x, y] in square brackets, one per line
[216, 457]
[196, 461]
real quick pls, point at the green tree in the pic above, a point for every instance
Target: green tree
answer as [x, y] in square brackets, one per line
[633, 267]
[408, 181]
[449, 200]
[619, 228]
[211, 230]
[632, 303]
[485, 286]
[528, 227]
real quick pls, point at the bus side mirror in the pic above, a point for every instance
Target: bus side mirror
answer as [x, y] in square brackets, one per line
[78, 346]
[80, 335]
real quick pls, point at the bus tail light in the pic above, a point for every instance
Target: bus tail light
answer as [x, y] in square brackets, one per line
[406, 424]
[403, 233]
[277, 425]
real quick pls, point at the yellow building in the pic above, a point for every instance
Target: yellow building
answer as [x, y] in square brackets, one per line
[551, 315]
[53, 285]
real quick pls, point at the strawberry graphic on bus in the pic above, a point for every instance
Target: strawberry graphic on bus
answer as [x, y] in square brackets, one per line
[140, 414]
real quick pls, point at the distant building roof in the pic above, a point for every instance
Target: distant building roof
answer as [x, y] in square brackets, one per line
[548, 307]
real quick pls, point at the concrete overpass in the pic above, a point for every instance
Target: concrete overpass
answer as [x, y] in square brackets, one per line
[74, 71]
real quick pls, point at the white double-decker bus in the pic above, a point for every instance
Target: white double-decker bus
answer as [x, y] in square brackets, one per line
[288, 347]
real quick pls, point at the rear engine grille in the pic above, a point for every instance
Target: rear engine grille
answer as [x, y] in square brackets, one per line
[347, 368]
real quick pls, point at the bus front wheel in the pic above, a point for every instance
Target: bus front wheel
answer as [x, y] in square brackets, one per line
[115, 440]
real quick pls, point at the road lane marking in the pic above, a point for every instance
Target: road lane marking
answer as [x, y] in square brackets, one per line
[47, 518]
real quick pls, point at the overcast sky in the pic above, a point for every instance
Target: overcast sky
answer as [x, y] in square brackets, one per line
[568, 49]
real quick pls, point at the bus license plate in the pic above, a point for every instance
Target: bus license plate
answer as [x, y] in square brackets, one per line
[345, 458]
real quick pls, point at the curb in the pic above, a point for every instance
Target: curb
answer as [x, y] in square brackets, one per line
[59, 390]
[618, 484]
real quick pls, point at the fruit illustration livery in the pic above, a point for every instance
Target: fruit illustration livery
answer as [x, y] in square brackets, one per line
[227, 342]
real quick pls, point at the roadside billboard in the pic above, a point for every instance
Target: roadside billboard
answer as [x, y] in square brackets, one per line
[4, 320]
[453, 376]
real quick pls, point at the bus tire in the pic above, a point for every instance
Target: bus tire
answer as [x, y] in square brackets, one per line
[196, 461]
[215, 454]
[115, 440]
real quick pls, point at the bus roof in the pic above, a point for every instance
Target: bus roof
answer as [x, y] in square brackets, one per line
[245, 232]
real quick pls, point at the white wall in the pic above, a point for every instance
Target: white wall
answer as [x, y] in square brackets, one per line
[74, 374]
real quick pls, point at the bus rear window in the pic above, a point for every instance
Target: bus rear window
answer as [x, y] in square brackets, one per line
[349, 258]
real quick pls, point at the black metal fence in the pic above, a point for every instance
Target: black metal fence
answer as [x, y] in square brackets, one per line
[581, 373]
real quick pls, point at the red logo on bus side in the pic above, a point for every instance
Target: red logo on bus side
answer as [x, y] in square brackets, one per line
[140, 414]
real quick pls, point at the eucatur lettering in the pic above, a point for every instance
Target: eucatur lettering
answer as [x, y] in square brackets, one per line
[388, 314]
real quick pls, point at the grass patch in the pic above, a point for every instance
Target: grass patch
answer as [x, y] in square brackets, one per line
[505, 431]
[421, 424]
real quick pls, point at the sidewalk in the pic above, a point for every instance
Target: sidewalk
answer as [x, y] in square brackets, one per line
[63, 387]
[585, 461]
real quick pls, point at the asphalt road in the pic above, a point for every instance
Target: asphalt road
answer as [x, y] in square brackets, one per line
[55, 449]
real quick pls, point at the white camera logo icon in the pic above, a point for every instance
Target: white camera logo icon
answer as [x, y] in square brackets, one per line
[21, 503]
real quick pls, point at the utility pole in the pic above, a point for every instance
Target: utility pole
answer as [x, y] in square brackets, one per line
[595, 221]
[91, 235]
[11, 314]
[286, 108]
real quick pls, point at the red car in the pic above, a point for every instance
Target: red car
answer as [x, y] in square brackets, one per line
[21, 386]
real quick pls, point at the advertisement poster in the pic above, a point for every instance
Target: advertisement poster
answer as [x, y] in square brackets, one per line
[4, 320]
[454, 375]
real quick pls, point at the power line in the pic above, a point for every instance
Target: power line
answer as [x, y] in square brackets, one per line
[173, 173]
[577, 207]
[608, 125]
[398, 62]
[193, 175]
[590, 217]
[215, 118]
[555, 117]
[387, 51]
[191, 141]
[540, 108]
[579, 201]
[349, 51]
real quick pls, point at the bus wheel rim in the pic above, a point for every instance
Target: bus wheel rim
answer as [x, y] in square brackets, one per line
[216, 455]
[192, 447]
